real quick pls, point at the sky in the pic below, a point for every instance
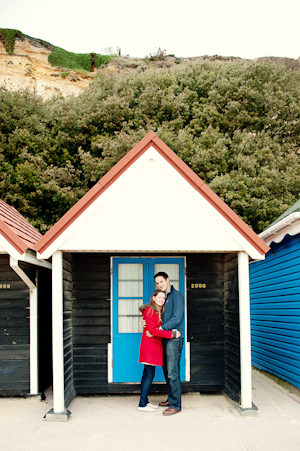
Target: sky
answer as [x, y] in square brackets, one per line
[186, 28]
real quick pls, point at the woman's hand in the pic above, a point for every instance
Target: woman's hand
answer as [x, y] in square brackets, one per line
[175, 333]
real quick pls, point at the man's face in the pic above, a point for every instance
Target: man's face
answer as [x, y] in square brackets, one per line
[162, 283]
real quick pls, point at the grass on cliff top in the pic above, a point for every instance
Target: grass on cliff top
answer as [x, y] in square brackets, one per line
[76, 61]
[8, 36]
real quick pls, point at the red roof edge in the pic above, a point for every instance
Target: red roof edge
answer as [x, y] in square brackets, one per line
[12, 238]
[151, 139]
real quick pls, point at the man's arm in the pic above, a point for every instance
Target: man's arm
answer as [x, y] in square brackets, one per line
[178, 311]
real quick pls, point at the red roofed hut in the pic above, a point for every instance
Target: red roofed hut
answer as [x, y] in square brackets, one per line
[149, 213]
[25, 308]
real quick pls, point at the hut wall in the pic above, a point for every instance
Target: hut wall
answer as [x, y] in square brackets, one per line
[205, 322]
[275, 307]
[69, 389]
[232, 385]
[14, 337]
[91, 321]
[45, 328]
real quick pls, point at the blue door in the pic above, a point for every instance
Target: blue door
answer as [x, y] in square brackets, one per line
[133, 284]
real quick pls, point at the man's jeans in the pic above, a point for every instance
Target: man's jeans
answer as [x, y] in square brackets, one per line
[172, 354]
[148, 376]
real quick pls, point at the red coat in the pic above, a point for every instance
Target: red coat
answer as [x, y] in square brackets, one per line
[151, 348]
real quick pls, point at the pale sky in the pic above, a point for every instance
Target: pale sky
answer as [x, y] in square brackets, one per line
[246, 29]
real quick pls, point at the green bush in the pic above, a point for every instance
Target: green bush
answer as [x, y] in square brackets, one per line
[235, 123]
[61, 58]
[101, 60]
[76, 61]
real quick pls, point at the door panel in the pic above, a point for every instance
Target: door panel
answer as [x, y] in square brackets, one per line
[133, 284]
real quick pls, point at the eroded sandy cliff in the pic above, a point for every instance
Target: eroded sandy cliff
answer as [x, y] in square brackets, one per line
[29, 68]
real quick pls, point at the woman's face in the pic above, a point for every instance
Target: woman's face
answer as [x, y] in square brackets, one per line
[160, 298]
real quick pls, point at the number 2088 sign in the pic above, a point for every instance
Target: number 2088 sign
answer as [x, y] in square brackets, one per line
[198, 285]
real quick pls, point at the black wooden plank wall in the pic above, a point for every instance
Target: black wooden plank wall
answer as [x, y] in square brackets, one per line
[14, 337]
[69, 389]
[45, 328]
[206, 330]
[205, 322]
[232, 335]
[91, 321]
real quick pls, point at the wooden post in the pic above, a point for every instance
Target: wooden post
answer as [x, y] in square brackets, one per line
[58, 339]
[33, 341]
[245, 330]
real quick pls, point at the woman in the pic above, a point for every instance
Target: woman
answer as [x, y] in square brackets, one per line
[151, 349]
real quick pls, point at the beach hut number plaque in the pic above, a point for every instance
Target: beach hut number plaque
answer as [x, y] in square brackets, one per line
[198, 285]
[4, 286]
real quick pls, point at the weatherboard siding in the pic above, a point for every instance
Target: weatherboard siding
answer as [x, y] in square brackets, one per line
[44, 328]
[91, 324]
[69, 390]
[15, 329]
[205, 320]
[14, 337]
[275, 311]
[232, 386]
[91, 321]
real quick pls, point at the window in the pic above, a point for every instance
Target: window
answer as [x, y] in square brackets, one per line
[130, 291]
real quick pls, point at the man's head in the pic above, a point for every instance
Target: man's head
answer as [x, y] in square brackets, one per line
[162, 281]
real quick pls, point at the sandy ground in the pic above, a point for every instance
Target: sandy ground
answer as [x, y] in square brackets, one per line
[113, 423]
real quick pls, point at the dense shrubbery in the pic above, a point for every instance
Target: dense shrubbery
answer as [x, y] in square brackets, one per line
[236, 124]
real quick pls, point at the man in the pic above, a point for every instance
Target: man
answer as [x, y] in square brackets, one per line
[173, 318]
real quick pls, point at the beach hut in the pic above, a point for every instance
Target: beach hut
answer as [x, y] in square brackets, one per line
[25, 309]
[275, 300]
[150, 212]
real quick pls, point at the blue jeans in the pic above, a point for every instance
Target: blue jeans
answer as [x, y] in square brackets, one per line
[147, 379]
[172, 355]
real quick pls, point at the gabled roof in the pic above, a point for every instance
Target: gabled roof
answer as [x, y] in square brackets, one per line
[16, 230]
[293, 209]
[150, 140]
[286, 224]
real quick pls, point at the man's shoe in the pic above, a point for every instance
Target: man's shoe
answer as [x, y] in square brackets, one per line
[170, 411]
[164, 403]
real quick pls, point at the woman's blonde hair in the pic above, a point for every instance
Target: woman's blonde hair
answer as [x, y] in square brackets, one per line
[158, 309]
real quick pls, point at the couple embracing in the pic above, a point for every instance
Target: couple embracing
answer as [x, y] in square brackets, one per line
[161, 344]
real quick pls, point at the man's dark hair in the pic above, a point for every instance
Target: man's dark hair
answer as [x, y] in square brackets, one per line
[161, 274]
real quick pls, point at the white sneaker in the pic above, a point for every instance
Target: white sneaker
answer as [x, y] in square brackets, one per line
[153, 406]
[146, 409]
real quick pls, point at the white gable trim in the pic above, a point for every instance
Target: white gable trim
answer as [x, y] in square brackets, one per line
[6, 247]
[234, 241]
[290, 225]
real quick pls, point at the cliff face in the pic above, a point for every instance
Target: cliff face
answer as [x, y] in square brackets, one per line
[28, 68]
